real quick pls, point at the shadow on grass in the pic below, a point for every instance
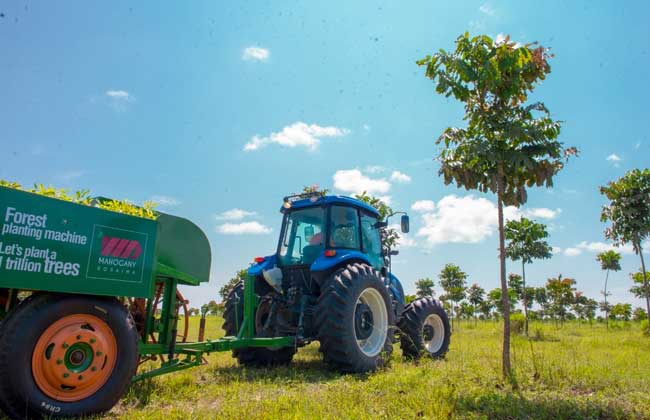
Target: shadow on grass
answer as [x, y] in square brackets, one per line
[513, 406]
[309, 371]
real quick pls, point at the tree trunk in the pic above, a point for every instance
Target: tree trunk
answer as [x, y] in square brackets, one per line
[505, 301]
[523, 279]
[645, 281]
[606, 307]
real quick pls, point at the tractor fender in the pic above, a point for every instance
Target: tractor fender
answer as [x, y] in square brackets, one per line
[343, 256]
[396, 289]
[257, 269]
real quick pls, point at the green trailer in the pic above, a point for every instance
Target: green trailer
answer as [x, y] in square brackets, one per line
[87, 295]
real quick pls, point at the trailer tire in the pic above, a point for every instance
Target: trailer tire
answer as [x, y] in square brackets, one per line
[66, 355]
[233, 316]
[424, 328]
[354, 298]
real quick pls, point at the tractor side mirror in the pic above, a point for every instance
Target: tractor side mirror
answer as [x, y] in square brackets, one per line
[405, 224]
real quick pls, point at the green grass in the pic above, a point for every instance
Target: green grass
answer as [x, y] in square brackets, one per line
[576, 372]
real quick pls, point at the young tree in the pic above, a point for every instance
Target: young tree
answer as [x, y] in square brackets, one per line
[526, 242]
[609, 260]
[589, 309]
[640, 289]
[507, 145]
[496, 298]
[622, 311]
[629, 214]
[226, 288]
[452, 280]
[560, 292]
[541, 297]
[639, 314]
[424, 287]
[475, 295]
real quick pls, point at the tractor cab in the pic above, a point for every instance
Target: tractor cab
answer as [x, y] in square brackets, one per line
[318, 229]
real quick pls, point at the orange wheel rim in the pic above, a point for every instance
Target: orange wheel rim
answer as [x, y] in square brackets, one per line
[74, 357]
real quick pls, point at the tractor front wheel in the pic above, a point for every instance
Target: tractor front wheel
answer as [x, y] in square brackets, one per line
[64, 355]
[355, 319]
[424, 329]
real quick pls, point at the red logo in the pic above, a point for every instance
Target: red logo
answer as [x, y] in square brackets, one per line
[120, 248]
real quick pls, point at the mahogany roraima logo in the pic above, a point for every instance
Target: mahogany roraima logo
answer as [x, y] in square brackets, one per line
[116, 254]
[120, 248]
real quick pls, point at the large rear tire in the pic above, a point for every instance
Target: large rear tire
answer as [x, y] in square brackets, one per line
[424, 328]
[233, 316]
[355, 320]
[64, 355]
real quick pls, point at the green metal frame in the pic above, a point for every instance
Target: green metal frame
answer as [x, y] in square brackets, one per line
[187, 355]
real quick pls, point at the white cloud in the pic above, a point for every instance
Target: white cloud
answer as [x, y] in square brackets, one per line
[255, 54]
[353, 181]
[461, 220]
[244, 228]
[366, 127]
[487, 10]
[297, 134]
[467, 219]
[404, 241]
[374, 169]
[614, 158]
[400, 177]
[119, 100]
[572, 252]
[119, 95]
[542, 213]
[556, 250]
[501, 38]
[596, 247]
[386, 199]
[423, 206]
[235, 214]
[165, 200]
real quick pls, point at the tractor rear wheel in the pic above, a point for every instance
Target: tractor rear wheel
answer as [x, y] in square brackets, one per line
[424, 329]
[233, 316]
[65, 355]
[355, 319]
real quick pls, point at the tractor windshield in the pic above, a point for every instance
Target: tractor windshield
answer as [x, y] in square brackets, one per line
[302, 236]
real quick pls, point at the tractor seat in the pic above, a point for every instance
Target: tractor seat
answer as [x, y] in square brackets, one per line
[310, 253]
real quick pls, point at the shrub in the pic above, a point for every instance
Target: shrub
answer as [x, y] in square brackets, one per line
[517, 322]
[645, 327]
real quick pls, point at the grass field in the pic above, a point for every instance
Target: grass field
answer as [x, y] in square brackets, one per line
[576, 371]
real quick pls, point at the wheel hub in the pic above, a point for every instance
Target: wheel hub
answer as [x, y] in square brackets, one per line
[74, 357]
[363, 321]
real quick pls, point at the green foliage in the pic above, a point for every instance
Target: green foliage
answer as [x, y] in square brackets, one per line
[389, 236]
[495, 295]
[83, 197]
[645, 327]
[622, 311]
[475, 294]
[409, 298]
[452, 280]
[506, 146]
[308, 190]
[526, 240]
[515, 284]
[517, 322]
[641, 288]
[609, 260]
[240, 276]
[560, 294]
[639, 314]
[424, 287]
[628, 209]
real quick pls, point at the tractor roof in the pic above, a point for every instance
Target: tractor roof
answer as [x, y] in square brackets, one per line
[298, 202]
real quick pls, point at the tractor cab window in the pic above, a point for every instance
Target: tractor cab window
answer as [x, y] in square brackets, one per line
[371, 240]
[302, 236]
[344, 227]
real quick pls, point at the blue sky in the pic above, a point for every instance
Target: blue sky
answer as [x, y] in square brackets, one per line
[219, 110]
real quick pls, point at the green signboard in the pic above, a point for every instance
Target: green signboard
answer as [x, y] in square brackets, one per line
[53, 245]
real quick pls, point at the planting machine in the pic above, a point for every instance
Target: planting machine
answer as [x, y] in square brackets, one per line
[88, 295]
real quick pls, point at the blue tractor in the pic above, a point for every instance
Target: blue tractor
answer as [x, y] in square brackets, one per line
[330, 281]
